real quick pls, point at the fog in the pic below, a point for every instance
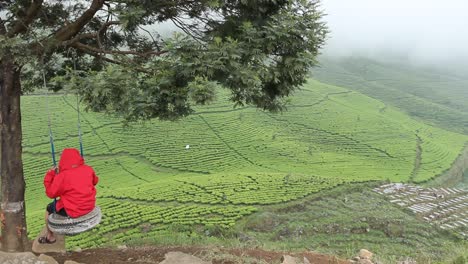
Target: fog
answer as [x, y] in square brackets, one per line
[421, 31]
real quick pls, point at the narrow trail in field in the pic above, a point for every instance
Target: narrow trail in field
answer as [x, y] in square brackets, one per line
[122, 154]
[129, 172]
[83, 118]
[69, 136]
[231, 148]
[253, 179]
[357, 142]
[109, 149]
[325, 98]
[383, 108]
[320, 101]
[417, 162]
[223, 111]
[167, 203]
[202, 188]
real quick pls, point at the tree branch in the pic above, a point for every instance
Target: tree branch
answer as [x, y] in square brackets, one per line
[149, 34]
[23, 22]
[69, 31]
[82, 46]
[3, 30]
[184, 27]
[78, 38]
[99, 56]
[103, 30]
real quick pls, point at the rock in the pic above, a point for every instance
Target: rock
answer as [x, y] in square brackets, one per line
[306, 261]
[71, 262]
[58, 246]
[15, 258]
[365, 254]
[181, 258]
[365, 261]
[122, 247]
[47, 259]
[288, 260]
[78, 249]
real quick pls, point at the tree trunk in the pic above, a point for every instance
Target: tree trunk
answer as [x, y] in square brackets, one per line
[13, 217]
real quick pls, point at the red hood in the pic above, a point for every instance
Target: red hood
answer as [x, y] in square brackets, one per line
[70, 158]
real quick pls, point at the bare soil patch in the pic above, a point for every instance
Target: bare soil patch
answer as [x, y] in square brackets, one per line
[153, 254]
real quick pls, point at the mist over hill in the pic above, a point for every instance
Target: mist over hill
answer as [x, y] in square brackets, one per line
[423, 33]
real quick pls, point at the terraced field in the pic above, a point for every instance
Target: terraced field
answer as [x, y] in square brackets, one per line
[237, 160]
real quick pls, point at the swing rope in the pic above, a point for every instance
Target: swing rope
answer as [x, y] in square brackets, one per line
[78, 112]
[51, 135]
[79, 126]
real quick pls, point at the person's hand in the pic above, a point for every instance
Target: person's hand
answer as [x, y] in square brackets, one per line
[53, 168]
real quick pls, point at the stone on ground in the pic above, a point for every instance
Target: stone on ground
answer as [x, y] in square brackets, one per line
[71, 262]
[58, 246]
[181, 258]
[122, 247]
[47, 259]
[365, 261]
[15, 258]
[365, 254]
[288, 260]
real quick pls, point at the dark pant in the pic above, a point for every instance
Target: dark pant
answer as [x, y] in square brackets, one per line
[51, 210]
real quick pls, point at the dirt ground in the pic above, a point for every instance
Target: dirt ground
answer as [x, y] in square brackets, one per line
[146, 255]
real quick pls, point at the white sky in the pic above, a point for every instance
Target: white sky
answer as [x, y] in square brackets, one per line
[423, 30]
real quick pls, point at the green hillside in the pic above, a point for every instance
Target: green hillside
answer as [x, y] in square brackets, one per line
[433, 96]
[237, 161]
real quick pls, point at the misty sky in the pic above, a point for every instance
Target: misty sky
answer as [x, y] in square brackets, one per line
[424, 30]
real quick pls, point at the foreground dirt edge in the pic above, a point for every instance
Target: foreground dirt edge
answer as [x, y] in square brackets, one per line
[153, 254]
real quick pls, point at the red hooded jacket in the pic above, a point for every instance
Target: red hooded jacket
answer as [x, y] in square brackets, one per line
[74, 184]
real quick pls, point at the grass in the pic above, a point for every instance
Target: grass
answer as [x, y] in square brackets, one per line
[346, 219]
[338, 221]
[239, 161]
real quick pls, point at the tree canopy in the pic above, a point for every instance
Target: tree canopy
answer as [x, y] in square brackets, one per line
[260, 50]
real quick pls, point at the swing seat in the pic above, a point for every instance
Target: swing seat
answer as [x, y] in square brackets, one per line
[64, 225]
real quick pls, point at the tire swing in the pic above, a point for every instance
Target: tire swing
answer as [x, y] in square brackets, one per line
[65, 225]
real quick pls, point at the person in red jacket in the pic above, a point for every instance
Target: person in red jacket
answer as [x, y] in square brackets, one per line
[74, 185]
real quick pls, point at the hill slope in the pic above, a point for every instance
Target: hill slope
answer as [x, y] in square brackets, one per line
[435, 97]
[236, 160]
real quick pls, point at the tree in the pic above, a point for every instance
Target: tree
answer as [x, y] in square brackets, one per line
[109, 53]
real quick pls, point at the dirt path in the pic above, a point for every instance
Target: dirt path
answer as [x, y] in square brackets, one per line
[417, 162]
[146, 255]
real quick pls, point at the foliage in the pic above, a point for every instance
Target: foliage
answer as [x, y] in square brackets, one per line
[260, 50]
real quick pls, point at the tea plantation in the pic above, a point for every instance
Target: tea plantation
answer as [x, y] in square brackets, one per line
[222, 163]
